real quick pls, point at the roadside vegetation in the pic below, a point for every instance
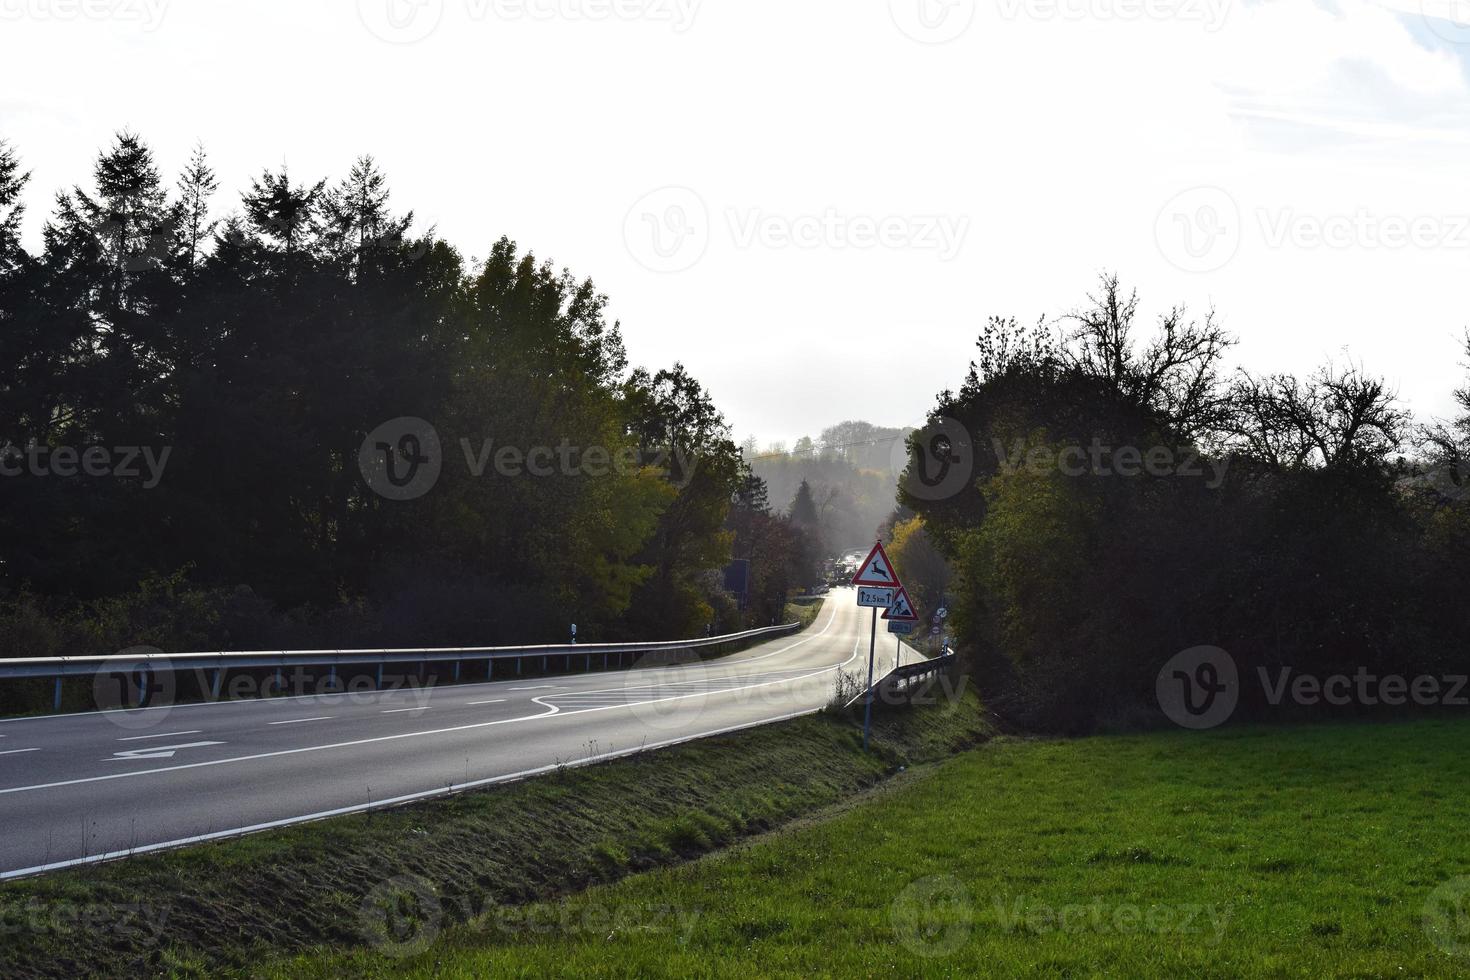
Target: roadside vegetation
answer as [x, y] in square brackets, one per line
[1104, 496]
[237, 903]
[1332, 850]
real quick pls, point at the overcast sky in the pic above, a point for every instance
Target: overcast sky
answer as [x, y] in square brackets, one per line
[816, 204]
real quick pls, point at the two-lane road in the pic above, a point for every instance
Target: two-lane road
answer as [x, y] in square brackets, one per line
[79, 787]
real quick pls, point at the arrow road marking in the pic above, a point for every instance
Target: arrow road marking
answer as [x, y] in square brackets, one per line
[158, 752]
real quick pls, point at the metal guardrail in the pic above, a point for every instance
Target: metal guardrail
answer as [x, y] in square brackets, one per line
[219, 661]
[899, 679]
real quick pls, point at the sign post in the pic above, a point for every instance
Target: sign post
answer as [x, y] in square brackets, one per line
[875, 573]
[900, 614]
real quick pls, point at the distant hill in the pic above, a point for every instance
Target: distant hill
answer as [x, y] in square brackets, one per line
[852, 468]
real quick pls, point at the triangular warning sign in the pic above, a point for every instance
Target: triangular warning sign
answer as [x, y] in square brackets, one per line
[902, 610]
[876, 571]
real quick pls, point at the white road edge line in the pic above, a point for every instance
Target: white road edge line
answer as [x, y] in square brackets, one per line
[496, 701]
[301, 721]
[394, 711]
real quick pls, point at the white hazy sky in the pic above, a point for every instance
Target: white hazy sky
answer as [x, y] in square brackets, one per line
[815, 205]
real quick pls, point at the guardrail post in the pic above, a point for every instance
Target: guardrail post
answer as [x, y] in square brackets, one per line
[543, 664]
[380, 676]
[332, 677]
[518, 666]
[489, 667]
[589, 662]
[142, 687]
[56, 701]
[604, 661]
[214, 684]
[456, 671]
[280, 683]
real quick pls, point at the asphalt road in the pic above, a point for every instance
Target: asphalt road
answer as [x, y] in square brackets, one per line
[83, 787]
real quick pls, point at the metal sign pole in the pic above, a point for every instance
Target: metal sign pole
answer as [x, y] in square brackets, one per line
[868, 710]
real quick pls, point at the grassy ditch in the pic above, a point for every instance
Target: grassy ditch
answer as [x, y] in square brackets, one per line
[1311, 851]
[230, 905]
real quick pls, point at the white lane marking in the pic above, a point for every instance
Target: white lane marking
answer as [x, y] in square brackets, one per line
[136, 738]
[538, 687]
[394, 711]
[395, 801]
[158, 752]
[301, 721]
[552, 710]
[496, 701]
[18, 751]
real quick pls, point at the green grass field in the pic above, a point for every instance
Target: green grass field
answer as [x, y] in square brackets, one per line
[1313, 851]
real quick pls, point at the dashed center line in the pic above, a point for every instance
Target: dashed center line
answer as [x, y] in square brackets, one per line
[496, 701]
[302, 721]
[135, 738]
[538, 687]
[17, 751]
[394, 711]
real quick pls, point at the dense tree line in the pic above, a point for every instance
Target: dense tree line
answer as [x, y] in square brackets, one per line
[1299, 522]
[185, 401]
